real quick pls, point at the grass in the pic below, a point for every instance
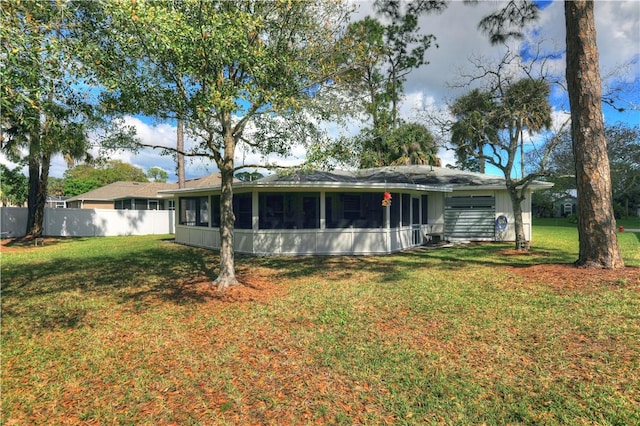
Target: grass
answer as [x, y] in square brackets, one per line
[116, 331]
[561, 236]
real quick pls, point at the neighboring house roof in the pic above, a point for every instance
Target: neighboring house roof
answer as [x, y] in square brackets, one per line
[422, 177]
[55, 198]
[208, 181]
[125, 190]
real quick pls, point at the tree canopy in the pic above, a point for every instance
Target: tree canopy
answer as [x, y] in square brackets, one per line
[107, 172]
[47, 102]
[14, 186]
[475, 127]
[623, 147]
[156, 174]
[384, 55]
[251, 73]
[86, 177]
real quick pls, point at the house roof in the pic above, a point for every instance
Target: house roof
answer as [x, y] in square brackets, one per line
[420, 177]
[124, 190]
[208, 181]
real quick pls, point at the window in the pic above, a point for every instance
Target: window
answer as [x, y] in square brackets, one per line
[188, 211]
[311, 211]
[406, 210]
[395, 211]
[354, 209]
[139, 204]
[425, 209]
[203, 211]
[153, 205]
[567, 209]
[122, 205]
[242, 209]
[271, 211]
[215, 211]
[194, 211]
[415, 211]
[299, 210]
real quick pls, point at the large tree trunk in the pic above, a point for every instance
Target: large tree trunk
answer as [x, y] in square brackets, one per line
[596, 222]
[41, 199]
[37, 199]
[227, 274]
[180, 148]
[34, 185]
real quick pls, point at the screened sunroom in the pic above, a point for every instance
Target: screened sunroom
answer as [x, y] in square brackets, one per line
[371, 211]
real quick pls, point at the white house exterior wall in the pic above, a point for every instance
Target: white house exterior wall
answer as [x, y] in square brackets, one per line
[503, 207]
[435, 209]
[298, 242]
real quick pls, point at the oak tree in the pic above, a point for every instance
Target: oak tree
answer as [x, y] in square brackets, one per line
[156, 174]
[249, 73]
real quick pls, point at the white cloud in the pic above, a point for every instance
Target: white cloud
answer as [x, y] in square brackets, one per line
[618, 28]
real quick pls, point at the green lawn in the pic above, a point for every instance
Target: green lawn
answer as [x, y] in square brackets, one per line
[122, 331]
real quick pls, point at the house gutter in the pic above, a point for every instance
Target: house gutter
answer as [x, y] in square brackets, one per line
[446, 188]
[318, 186]
[536, 186]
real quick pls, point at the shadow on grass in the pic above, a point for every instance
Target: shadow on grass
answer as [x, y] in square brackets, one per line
[170, 273]
[495, 254]
[29, 242]
[140, 278]
[336, 268]
[168, 270]
[395, 267]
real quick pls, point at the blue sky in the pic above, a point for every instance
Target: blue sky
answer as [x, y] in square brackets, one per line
[430, 87]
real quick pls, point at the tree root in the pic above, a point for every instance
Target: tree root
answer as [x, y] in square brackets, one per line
[224, 282]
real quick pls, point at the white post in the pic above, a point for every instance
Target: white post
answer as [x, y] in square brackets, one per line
[323, 211]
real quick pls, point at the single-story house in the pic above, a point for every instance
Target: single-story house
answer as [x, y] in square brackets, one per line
[136, 195]
[566, 204]
[369, 211]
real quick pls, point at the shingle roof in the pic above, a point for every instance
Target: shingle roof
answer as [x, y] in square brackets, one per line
[400, 177]
[414, 174]
[208, 181]
[122, 190]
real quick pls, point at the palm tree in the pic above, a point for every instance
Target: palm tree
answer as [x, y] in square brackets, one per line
[528, 108]
[412, 143]
[475, 126]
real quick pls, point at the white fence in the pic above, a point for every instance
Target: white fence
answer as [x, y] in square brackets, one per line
[89, 222]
